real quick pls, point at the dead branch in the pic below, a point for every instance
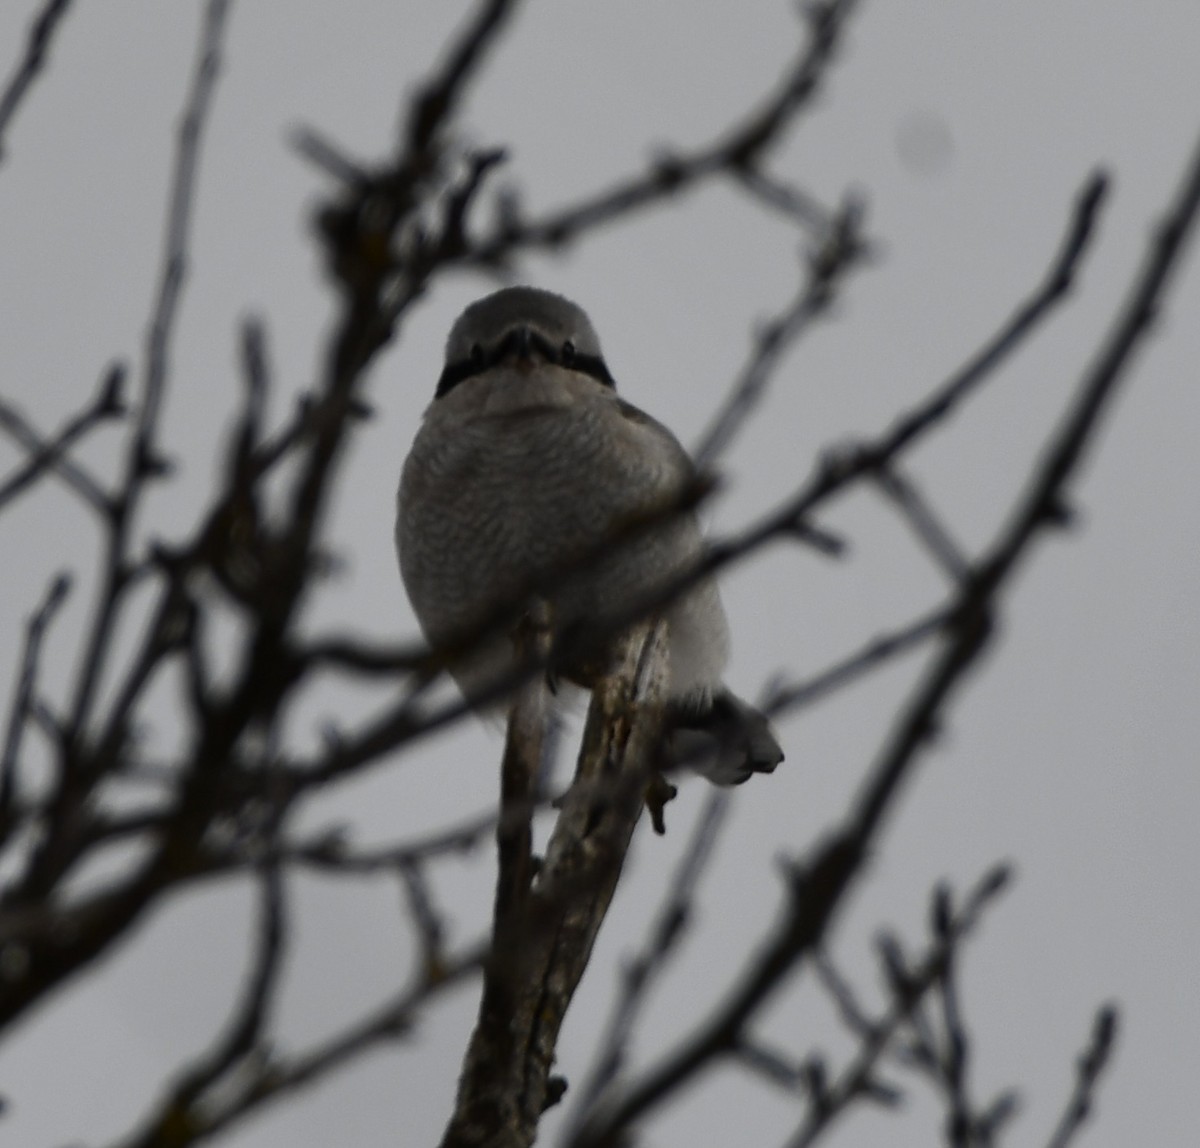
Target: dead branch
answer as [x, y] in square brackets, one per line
[543, 934]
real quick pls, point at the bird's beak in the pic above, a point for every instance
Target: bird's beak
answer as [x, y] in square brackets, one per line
[522, 344]
[520, 347]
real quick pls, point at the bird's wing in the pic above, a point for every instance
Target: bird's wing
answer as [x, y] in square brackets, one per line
[653, 440]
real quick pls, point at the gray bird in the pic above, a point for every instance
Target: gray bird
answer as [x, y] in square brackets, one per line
[527, 461]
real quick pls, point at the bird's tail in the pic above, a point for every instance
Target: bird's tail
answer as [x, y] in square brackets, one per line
[724, 739]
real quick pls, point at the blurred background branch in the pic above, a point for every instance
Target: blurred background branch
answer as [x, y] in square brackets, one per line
[37, 47]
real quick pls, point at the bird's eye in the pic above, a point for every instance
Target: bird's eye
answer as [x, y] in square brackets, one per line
[477, 354]
[567, 355]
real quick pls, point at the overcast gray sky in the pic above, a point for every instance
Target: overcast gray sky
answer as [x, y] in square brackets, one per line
[968, 127]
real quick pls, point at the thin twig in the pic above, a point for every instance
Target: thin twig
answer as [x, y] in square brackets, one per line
[795, 204]
[839, 251]
[435, 102]
[857, 1078]
[256, 377]
[741, 146]
[330, 853]
[358, 656]
[924, 521]
[22, 702]
[251, 1018]
[939, 1047]
[271, 1078]
[1089, 1067]
[781, 1069]
[852, 1014]
[327, 156]
[142, 461]
[50, 454]
[430, 923]
[875, 653]
[37, 47]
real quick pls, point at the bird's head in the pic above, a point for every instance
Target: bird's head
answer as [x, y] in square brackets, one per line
[522, 328]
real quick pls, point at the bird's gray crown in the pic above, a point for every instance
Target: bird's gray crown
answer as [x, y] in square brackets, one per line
[557, 328]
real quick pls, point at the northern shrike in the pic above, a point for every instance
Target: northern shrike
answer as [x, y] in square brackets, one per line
[526, 461]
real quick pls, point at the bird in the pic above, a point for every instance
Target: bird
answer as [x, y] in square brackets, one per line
[526, 463]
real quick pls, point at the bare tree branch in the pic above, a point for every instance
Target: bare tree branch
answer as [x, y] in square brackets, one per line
[909, 986]
[541, 944]
[258, 551]
[816, 888]
[143, 462]
[437, 99]
[57, 851]
[739, 148]
[639, 973]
